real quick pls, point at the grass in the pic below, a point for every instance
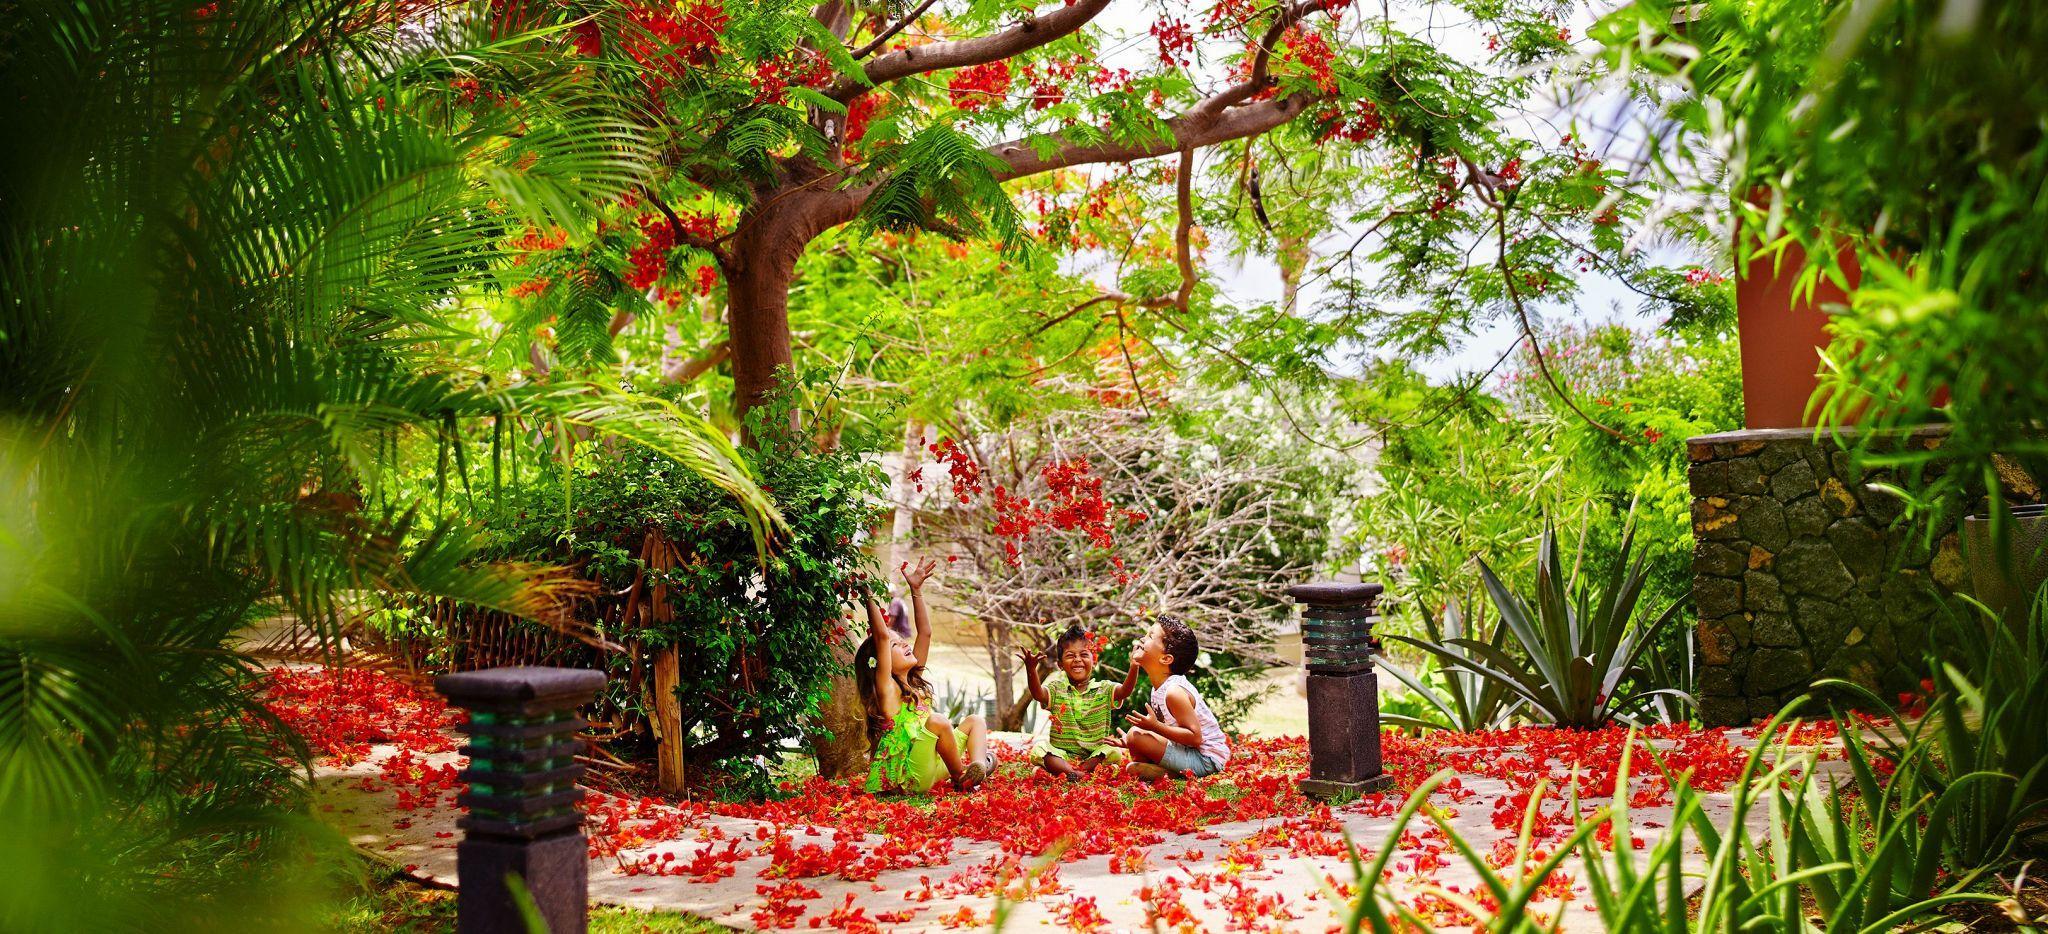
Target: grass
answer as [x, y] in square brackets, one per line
[386, 902]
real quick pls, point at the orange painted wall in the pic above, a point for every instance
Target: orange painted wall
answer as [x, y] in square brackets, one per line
[1781, 342]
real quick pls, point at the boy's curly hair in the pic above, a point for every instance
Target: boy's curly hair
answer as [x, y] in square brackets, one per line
[1073, 634]
[1180, 643]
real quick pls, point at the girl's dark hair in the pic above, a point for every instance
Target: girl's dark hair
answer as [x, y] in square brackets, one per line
[1180, 643]
[865, 659]
[1072, 635]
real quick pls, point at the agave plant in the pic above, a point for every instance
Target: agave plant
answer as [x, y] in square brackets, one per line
[1466, 700]
[1580, 639]
[1980, 749]
[1866, 862]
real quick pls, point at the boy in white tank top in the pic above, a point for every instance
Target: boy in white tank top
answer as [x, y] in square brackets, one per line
[1177, 734]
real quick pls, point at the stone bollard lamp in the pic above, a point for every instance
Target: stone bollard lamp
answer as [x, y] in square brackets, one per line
[522, 822]
[1343, 690]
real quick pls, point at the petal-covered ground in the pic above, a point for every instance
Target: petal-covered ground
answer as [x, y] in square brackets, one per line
[1243, 850]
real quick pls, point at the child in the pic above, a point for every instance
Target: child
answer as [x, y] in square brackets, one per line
[912, 747]
[1177, 735]
[1077, 707]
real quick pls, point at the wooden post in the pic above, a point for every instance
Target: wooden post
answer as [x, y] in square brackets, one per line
[660, 556]
[668, 720]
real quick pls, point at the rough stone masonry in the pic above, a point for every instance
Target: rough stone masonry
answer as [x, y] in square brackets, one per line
[1803, 571]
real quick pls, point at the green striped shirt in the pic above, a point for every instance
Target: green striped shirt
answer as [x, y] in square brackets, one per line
[1080, 715]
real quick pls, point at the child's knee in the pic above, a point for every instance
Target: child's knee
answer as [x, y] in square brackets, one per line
[938, 724]
[973, 722]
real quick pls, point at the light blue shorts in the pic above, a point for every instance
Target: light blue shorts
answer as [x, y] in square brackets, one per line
[1187, 761]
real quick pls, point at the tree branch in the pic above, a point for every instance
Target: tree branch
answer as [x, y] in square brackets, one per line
[1259, 78]
[1183, 250]
[875, 45]
[683, 371]
[1192, 130]
[1032, 32]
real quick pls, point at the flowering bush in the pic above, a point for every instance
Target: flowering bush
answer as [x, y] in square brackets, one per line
[754, 638]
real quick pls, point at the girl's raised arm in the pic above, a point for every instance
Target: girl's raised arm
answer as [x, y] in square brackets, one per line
[885, 644]
[921, 618]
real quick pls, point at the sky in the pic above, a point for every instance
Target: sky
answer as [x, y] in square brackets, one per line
[1602, 123]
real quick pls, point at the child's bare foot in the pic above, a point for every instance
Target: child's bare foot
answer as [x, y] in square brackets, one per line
[1148, 772]
[1091, 763]
[1073, 778]
[972, 778]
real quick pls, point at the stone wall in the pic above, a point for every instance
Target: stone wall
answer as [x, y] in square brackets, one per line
[1802, 571]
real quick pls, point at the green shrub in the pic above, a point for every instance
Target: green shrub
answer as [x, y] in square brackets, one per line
[754, 637]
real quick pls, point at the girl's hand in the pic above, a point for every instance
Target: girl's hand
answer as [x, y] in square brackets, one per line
[1119, 740]
[1144, 721]
[915, 577]
[1032, 660]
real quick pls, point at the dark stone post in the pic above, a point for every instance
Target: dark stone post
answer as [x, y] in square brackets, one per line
[522, 796]
[1343, 690]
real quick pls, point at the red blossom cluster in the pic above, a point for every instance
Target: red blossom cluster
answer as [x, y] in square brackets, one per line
[805, 67]
[961, 467]
[1176, 41]
[670, 39]
[1313, 53]
[649, 260]
[1074, 503]
[1701, 276]
[1361, 125]
[859, 113]
[979, 86]
[1231, 14]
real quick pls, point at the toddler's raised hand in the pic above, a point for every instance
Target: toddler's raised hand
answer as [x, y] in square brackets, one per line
[1033, 661]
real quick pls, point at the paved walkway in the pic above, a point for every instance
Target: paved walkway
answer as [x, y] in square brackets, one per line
[1270, 874]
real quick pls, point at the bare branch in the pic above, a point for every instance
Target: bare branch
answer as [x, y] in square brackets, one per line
[1183, 251]
[685, 370]
[1192, 130]
[1032, 32]
[1259, 78]
[875, 45]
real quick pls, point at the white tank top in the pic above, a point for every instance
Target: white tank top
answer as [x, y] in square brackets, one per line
[1214, 745]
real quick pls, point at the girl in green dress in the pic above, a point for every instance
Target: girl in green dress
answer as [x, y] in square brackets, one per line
[913, 748]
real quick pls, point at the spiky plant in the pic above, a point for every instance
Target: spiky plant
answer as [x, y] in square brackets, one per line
[1580, 639]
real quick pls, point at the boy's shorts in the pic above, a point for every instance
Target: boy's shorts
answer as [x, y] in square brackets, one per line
[1188, 761]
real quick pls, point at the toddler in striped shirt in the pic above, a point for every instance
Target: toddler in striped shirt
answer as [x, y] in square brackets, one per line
[1078, 707]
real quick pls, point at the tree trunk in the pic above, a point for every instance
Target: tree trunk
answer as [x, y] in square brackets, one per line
[1009, 707]
[758, 271]
[758, 319]
[659, 556]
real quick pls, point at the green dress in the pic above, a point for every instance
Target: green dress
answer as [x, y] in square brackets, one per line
[907, 757]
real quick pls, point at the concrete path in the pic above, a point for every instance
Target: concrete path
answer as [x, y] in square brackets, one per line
[1271, 874]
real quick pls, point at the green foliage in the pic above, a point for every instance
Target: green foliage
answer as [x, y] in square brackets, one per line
[1456, 698]
[1979, 748]
[1828, 860]
[1580, 640]
[233, 247]
[1902, 138]
[755, 635]
[1463, 474]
